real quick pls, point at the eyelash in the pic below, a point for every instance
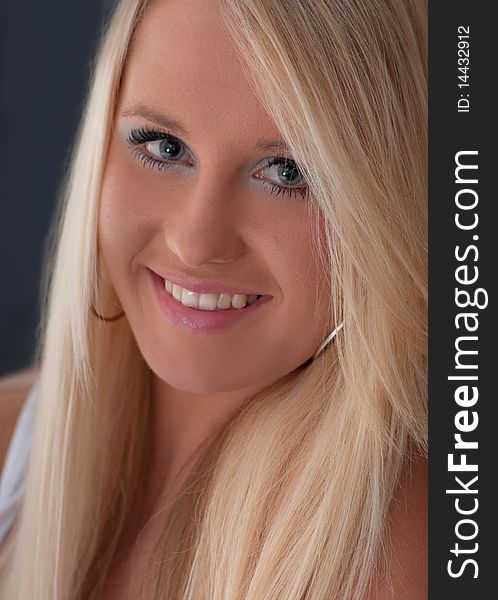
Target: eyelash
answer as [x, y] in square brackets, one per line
[142, 135]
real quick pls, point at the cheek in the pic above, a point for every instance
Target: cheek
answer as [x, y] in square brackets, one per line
[302, 278]
[124, 226]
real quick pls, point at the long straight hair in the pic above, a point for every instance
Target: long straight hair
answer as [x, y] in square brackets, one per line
[289, 501]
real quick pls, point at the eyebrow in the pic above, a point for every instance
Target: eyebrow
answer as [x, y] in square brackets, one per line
[155, 117]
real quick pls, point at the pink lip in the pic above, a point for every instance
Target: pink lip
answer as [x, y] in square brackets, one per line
[194, 320]
[204, 285]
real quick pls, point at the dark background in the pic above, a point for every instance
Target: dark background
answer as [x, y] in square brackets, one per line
[45, 55]
[46, 49]
[451, 132]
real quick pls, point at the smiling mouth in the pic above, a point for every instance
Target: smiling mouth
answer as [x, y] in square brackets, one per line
[209, 301]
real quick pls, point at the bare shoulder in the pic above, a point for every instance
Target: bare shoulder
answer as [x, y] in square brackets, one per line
[14, 389]
[407, 537]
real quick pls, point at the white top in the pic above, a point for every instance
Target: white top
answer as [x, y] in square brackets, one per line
[14, 470]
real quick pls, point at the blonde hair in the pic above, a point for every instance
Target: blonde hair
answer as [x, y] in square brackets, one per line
[290, 500]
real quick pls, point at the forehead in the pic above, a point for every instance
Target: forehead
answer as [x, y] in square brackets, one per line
[183, 64]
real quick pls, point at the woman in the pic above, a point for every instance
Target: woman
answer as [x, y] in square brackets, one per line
[232, 398]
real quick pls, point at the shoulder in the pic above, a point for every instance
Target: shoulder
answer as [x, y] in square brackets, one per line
[406, 572]
[14, 388]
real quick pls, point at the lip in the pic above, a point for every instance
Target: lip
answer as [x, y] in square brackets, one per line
[194, 320]
[204, 285]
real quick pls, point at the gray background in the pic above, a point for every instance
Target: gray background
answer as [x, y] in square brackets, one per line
[45, 53]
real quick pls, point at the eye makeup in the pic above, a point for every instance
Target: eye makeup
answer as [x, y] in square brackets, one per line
[141, 136]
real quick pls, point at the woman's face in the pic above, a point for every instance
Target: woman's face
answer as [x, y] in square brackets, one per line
[193, 194]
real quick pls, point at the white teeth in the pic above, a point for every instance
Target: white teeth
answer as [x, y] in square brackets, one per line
[224, 301]
[239, 300]
[208, 301]
[177, 292]
[201, 301]
[190, 298]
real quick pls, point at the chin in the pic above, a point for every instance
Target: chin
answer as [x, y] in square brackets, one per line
[206, 375]
[213, 365]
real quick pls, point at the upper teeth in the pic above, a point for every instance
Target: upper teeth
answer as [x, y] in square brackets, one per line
[208, 301]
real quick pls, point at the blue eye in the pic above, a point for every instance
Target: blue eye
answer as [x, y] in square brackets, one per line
[162, 147]
[170, 149]
[163, 150]
[288, 175]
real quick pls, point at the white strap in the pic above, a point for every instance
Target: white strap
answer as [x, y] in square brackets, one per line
[14, 470]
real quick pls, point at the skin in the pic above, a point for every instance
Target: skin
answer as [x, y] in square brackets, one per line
[209, 217]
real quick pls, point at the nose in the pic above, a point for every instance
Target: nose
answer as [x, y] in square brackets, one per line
[204, 225]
